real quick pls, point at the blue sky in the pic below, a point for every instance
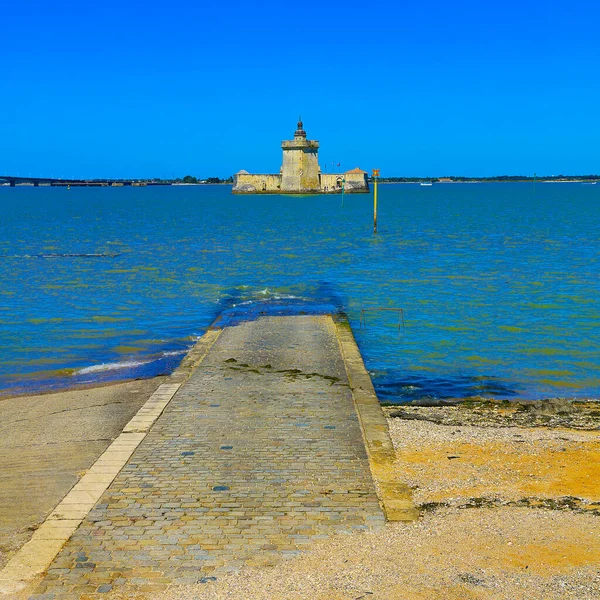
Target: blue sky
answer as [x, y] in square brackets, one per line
[115, 89]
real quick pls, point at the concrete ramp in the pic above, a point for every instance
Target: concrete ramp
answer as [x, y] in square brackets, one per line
[259, 452]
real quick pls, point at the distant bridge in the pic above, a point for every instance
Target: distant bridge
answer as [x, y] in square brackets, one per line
[49, 181]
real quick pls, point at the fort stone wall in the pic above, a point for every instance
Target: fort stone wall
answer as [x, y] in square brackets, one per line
[356, 182]
[245, 183]
[331, 182]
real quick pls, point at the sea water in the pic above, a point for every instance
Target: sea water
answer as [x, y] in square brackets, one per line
[498, 282]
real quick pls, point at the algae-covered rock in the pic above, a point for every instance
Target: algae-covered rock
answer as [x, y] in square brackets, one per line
[551, 406]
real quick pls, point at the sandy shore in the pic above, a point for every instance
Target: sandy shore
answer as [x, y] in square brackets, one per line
[48, 441]
[510, 502]
[516, 553]
[465, 456]
[508, 512]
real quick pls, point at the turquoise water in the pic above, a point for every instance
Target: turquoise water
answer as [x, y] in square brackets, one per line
[498, 282]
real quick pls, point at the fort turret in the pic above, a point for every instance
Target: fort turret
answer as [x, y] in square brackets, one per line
[300, 168]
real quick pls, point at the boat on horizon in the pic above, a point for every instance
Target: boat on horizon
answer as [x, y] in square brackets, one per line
[426, 183]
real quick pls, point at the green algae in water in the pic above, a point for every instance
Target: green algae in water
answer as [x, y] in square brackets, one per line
[487, 271]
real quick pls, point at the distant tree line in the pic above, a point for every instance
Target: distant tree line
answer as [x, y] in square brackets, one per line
[191, 179]
[490, 179]
[217, 180]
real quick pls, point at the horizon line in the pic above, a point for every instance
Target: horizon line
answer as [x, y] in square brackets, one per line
[400, 177]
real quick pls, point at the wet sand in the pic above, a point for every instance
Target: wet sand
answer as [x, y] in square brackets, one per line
[48, 441]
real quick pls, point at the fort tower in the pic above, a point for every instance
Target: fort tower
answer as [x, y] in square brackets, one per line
[300, 169]
[300, 173]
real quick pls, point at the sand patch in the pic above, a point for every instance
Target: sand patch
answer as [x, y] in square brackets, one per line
[448, 462]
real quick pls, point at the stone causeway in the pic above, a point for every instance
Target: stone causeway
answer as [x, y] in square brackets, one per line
[257, 454]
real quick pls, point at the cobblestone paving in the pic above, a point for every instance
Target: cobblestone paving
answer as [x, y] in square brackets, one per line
[258, 453]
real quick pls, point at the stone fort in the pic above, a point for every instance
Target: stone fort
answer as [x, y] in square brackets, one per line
[300, 173]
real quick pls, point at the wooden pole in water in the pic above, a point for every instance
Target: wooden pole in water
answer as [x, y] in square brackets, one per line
[375, 176]
[375, 207]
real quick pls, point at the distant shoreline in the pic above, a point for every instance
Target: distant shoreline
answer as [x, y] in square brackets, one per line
[109, 184]
[379, 181]
[486, 180]
[40, 182]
